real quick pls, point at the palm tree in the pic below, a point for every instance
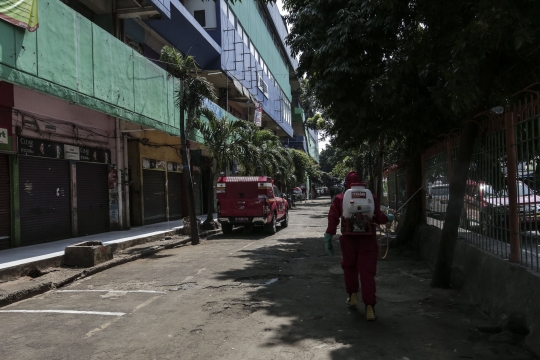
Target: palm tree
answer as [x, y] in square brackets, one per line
[190, 96]
[224, 146]
[263, 154]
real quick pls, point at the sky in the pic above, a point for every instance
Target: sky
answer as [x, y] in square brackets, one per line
[322, 143]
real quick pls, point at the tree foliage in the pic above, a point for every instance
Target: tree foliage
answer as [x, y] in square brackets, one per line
[412, 71]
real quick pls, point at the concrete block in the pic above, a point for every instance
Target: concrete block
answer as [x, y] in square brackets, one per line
[87, 254]
[187, 226]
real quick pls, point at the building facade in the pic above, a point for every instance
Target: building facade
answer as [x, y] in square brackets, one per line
[88, 123]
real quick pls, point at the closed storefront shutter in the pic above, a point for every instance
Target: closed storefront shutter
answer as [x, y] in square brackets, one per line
[45, 200]
[92, 198]
[5, 212]
[175, 195]
[155, 205]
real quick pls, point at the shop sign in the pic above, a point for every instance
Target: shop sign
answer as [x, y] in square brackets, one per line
[39, 147]
[95, 155]
[153, 164]
[174, 167]
[50, 128]
[4, 138]
[258, 114]
[71, 152]
[218, 111]
[50, 149]
[30, 124]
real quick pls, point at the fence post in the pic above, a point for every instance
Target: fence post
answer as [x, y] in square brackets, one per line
[396, 188]
[423, 192]
[515, 251]
[449, 162]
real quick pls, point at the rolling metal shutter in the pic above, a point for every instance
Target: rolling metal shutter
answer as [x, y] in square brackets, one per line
[197, 189]
[45, 200]
[175, 195]
[92, 198]
[5, 208]
[155, 204]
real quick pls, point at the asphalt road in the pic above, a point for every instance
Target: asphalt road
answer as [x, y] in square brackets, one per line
[249, 296]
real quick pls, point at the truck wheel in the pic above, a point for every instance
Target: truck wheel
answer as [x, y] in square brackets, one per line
[285, 221]
[227, 228]
[271, 228]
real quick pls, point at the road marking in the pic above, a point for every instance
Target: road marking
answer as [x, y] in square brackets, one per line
[102, 327]
[77, 312]
[200, 271]
[106, 325]
[146, 303]
[242, 248]
[116, 291]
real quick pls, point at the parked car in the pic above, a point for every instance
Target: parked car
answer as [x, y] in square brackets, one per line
[488, 208]
[437, 200]
[297, 193]
[250, 201]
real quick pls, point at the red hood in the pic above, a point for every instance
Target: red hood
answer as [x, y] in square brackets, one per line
[352, 178]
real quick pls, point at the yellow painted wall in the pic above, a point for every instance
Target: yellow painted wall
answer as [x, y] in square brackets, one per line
[163, 152]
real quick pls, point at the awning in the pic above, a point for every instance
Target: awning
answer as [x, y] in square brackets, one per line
[23, 13]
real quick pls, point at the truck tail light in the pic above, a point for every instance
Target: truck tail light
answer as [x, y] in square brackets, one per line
[266, 209]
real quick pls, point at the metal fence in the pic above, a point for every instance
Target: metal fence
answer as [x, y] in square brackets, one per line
[501, 212]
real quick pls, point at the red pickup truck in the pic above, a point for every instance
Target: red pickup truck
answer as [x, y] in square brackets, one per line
[250, 200]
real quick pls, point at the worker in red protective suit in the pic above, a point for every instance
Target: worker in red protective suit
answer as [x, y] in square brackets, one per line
[359, 252]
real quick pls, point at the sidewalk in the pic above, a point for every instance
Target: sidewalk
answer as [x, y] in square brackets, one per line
[29, 254]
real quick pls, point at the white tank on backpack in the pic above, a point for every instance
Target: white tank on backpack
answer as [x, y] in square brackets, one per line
[358, 199]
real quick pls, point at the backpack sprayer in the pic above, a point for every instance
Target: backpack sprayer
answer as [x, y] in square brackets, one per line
[357, 214]
[358, 210]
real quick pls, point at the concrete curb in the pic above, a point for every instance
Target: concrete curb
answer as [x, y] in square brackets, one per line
[15, 272]
[41, 288]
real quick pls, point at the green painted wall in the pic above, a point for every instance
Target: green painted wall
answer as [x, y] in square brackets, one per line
[71, 58]
[252, 22]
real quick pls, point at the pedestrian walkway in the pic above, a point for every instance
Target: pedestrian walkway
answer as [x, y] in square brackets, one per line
[28, 254]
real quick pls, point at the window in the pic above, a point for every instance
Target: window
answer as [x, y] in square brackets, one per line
[285, 109]
[265, 69]
[251, 48]
[240, 31]
[256, 56]
[261, 85]
[231, 16]
[200, 16]
[261, 62]
[245, 37]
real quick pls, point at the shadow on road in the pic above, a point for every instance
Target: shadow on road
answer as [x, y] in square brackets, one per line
[302, 289]
[308, 295]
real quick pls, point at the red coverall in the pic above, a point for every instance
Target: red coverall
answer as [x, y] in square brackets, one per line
[359, 252]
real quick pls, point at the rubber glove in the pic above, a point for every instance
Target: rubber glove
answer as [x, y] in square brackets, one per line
[328, 244]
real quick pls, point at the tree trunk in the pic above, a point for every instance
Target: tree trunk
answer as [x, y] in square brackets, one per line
[209, 223]
[190, 195]
[380, 166]
[371, 184]
[458, 184]
[413, 216]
